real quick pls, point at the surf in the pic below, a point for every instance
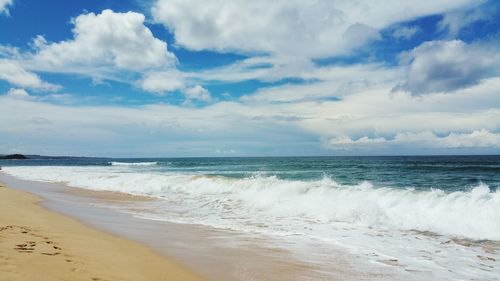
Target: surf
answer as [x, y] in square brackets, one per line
[471, 214]
[114, 163]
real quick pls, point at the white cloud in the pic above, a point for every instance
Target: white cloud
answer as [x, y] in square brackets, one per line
[335, 82]
[283, 37]
[375, 113]
[287, 28]
[162, 82]
[13, 73]
[272, 69]
[140, 131]
[482, 138]
[9, 52]
[197, 93]
[444, 66]
[406, 32]
[108, 39]
[16, 93]
[264, 68]
[4, 6]
[109, 45]
[225, 151]
[170, 81]
[347, 141]
[427, 139]
[456, 20]
[165, 82]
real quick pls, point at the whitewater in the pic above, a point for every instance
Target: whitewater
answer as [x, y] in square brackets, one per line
[452, 232]
[472, 214]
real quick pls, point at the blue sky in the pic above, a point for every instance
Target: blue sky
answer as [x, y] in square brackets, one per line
[239, 78]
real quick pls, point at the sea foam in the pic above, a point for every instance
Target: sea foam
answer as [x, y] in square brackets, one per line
[133, 163]
[269, 200]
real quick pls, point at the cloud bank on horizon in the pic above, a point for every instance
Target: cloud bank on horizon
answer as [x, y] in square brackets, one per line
[250, 78]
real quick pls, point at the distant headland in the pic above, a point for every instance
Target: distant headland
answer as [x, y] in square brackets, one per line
[13, 156]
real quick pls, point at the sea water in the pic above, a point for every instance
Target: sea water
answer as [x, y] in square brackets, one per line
[427, 216]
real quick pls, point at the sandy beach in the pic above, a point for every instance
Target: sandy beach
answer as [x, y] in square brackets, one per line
[37, 244]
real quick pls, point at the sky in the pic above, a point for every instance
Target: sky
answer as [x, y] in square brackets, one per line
[175, 78]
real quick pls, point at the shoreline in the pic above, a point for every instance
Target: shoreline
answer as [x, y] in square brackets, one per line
[214, 254]
[37, 242]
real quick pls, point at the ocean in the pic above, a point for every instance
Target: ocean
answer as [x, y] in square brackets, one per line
[433, 214]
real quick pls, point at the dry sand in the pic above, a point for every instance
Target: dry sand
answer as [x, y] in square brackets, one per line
[37, 244]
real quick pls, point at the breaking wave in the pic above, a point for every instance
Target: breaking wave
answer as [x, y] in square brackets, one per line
[267, 199]
[133, 163]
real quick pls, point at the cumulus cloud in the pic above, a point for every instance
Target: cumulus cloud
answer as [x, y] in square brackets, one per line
[169, 81]
[374, 113]
[444, 66]
[9, 52]
[162, 82]
[287, 28]
[108, 39]
[16, 93]
[283, 38]
[347, 141]
[13, 73]
[197, 93]
[475, 139]
[4, 6]
[109, 45]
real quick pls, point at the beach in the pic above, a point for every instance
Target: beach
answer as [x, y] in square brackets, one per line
[37, 244]
[189, 251]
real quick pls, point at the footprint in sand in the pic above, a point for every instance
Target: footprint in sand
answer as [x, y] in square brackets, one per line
[36, 244]
[24, 248]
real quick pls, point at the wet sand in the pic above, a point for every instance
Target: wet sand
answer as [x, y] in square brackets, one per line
[37, 244]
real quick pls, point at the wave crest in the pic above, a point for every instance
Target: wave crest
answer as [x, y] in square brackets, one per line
[133, 163]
